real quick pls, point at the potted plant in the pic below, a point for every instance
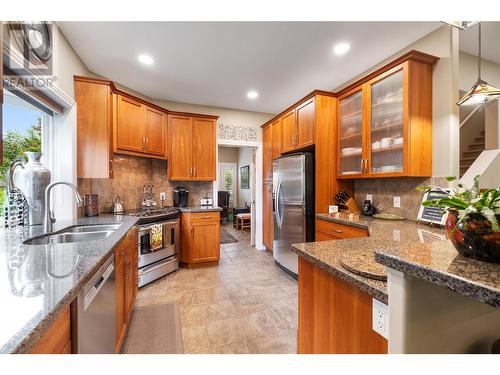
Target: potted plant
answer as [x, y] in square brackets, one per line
[473, 220]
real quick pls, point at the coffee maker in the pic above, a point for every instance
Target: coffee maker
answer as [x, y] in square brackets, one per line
[180, 195]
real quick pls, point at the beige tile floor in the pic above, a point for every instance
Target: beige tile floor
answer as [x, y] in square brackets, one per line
[245, 305]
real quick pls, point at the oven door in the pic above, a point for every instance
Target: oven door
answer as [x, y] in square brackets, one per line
[168, 246]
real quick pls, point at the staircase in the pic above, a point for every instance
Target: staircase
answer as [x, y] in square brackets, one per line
[470, 155]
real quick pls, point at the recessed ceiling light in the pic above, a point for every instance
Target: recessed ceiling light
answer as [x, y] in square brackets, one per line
[252, 94]
[341, 48]
[146, 59]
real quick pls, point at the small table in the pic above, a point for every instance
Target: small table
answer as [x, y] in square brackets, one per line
[243, 221]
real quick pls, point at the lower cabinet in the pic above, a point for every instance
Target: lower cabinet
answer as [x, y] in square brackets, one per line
[327, 230]
[125, 283]
[57, 339]
[335, 317]
[200, 239]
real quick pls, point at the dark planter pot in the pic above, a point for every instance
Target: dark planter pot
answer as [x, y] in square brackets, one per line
[474, 238]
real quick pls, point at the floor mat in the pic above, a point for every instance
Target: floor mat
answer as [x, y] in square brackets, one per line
[154, 329]
[225, 237]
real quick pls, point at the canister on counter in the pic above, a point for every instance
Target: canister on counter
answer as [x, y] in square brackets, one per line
[91, 204]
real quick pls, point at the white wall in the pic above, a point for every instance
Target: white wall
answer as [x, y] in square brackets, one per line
[244, 158]
[442, 43]
[468, 71]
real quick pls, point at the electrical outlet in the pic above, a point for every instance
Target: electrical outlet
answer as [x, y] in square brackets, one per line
[380, 318]
[397, 202]
[396, 235]
[369, 197]
[162, 196]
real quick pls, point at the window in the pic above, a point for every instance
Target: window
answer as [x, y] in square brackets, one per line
[23, 128]
[227, 180]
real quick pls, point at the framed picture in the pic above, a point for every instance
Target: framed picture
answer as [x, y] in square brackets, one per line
[245, 177]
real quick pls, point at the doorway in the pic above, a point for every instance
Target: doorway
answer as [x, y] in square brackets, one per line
[236, 184]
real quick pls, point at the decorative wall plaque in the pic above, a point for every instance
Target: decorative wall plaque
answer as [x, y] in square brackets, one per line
[237, 133]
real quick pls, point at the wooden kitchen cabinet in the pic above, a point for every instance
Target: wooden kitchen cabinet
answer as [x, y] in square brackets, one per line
[192, 147]
[334, 317]
[305, 114]
[57, 338]
[200, 239]
[204, 149]
[129, 125]
[155, 130]
[327, 230]
[126, 283]
[288, 131]
[276, 139]
[94, 127]
[140, 129]
[385, 121]
[297, 127]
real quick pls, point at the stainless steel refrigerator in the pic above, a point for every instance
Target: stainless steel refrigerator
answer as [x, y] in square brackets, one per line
[293, 207]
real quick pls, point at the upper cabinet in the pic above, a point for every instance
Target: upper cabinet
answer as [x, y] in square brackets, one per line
[297, 127]
[130, 125]
[385, 122]
[112, 121]
[192, 147]
[94, 128]
[276, 139]
[140, 128]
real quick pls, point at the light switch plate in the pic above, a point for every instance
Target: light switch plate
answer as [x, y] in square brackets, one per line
[397, 202]
[380, 318]
[369, 197]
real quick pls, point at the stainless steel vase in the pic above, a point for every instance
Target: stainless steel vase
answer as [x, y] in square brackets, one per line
[32, 179]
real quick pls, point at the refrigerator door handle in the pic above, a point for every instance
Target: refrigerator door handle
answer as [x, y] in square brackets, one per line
[277, 204]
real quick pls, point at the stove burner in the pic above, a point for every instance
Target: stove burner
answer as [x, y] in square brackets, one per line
[150, 215]
[155, 212]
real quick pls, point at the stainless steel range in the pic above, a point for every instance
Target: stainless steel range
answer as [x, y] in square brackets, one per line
[158, 242]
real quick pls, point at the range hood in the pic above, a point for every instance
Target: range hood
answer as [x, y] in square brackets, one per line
[487, 165]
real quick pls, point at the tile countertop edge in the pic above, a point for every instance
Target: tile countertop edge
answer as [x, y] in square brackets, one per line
[454, 283]
[343, 275]
[24, 345]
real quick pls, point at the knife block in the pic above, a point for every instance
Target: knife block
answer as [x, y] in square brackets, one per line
[352, 206]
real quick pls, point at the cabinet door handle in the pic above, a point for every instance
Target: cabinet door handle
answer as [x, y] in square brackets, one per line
[206, 217]
[122, 253]
[194, 172]
[192, 230]
[337, 230]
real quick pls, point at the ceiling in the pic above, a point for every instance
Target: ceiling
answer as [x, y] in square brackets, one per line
[217, 63]
[490, 36]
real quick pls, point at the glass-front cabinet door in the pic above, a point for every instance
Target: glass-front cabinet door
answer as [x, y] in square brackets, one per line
[385, 138]
[351, 134]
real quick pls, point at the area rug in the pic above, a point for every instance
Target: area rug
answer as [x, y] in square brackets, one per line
[225, 237]
[154, 329]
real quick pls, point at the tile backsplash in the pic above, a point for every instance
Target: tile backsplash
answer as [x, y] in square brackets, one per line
[384, 189]
[130, 174]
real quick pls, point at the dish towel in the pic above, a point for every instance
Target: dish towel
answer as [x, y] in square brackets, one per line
[156, 237]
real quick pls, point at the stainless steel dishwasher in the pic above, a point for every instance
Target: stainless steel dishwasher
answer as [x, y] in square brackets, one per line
[96, 330]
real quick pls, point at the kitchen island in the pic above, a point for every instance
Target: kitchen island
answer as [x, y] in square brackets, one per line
[335, 304]
[39, 282]
[441, 302]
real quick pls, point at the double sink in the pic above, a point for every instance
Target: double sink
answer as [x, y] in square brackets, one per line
[76, 233]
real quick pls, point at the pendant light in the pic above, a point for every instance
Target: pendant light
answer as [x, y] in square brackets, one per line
[481, 92]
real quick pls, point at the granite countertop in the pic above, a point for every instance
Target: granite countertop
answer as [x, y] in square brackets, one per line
[383, 235]
[194, 209]
[439, 263]
[38, 281]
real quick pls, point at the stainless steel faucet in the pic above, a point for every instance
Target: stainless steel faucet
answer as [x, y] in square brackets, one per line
[47, 217]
